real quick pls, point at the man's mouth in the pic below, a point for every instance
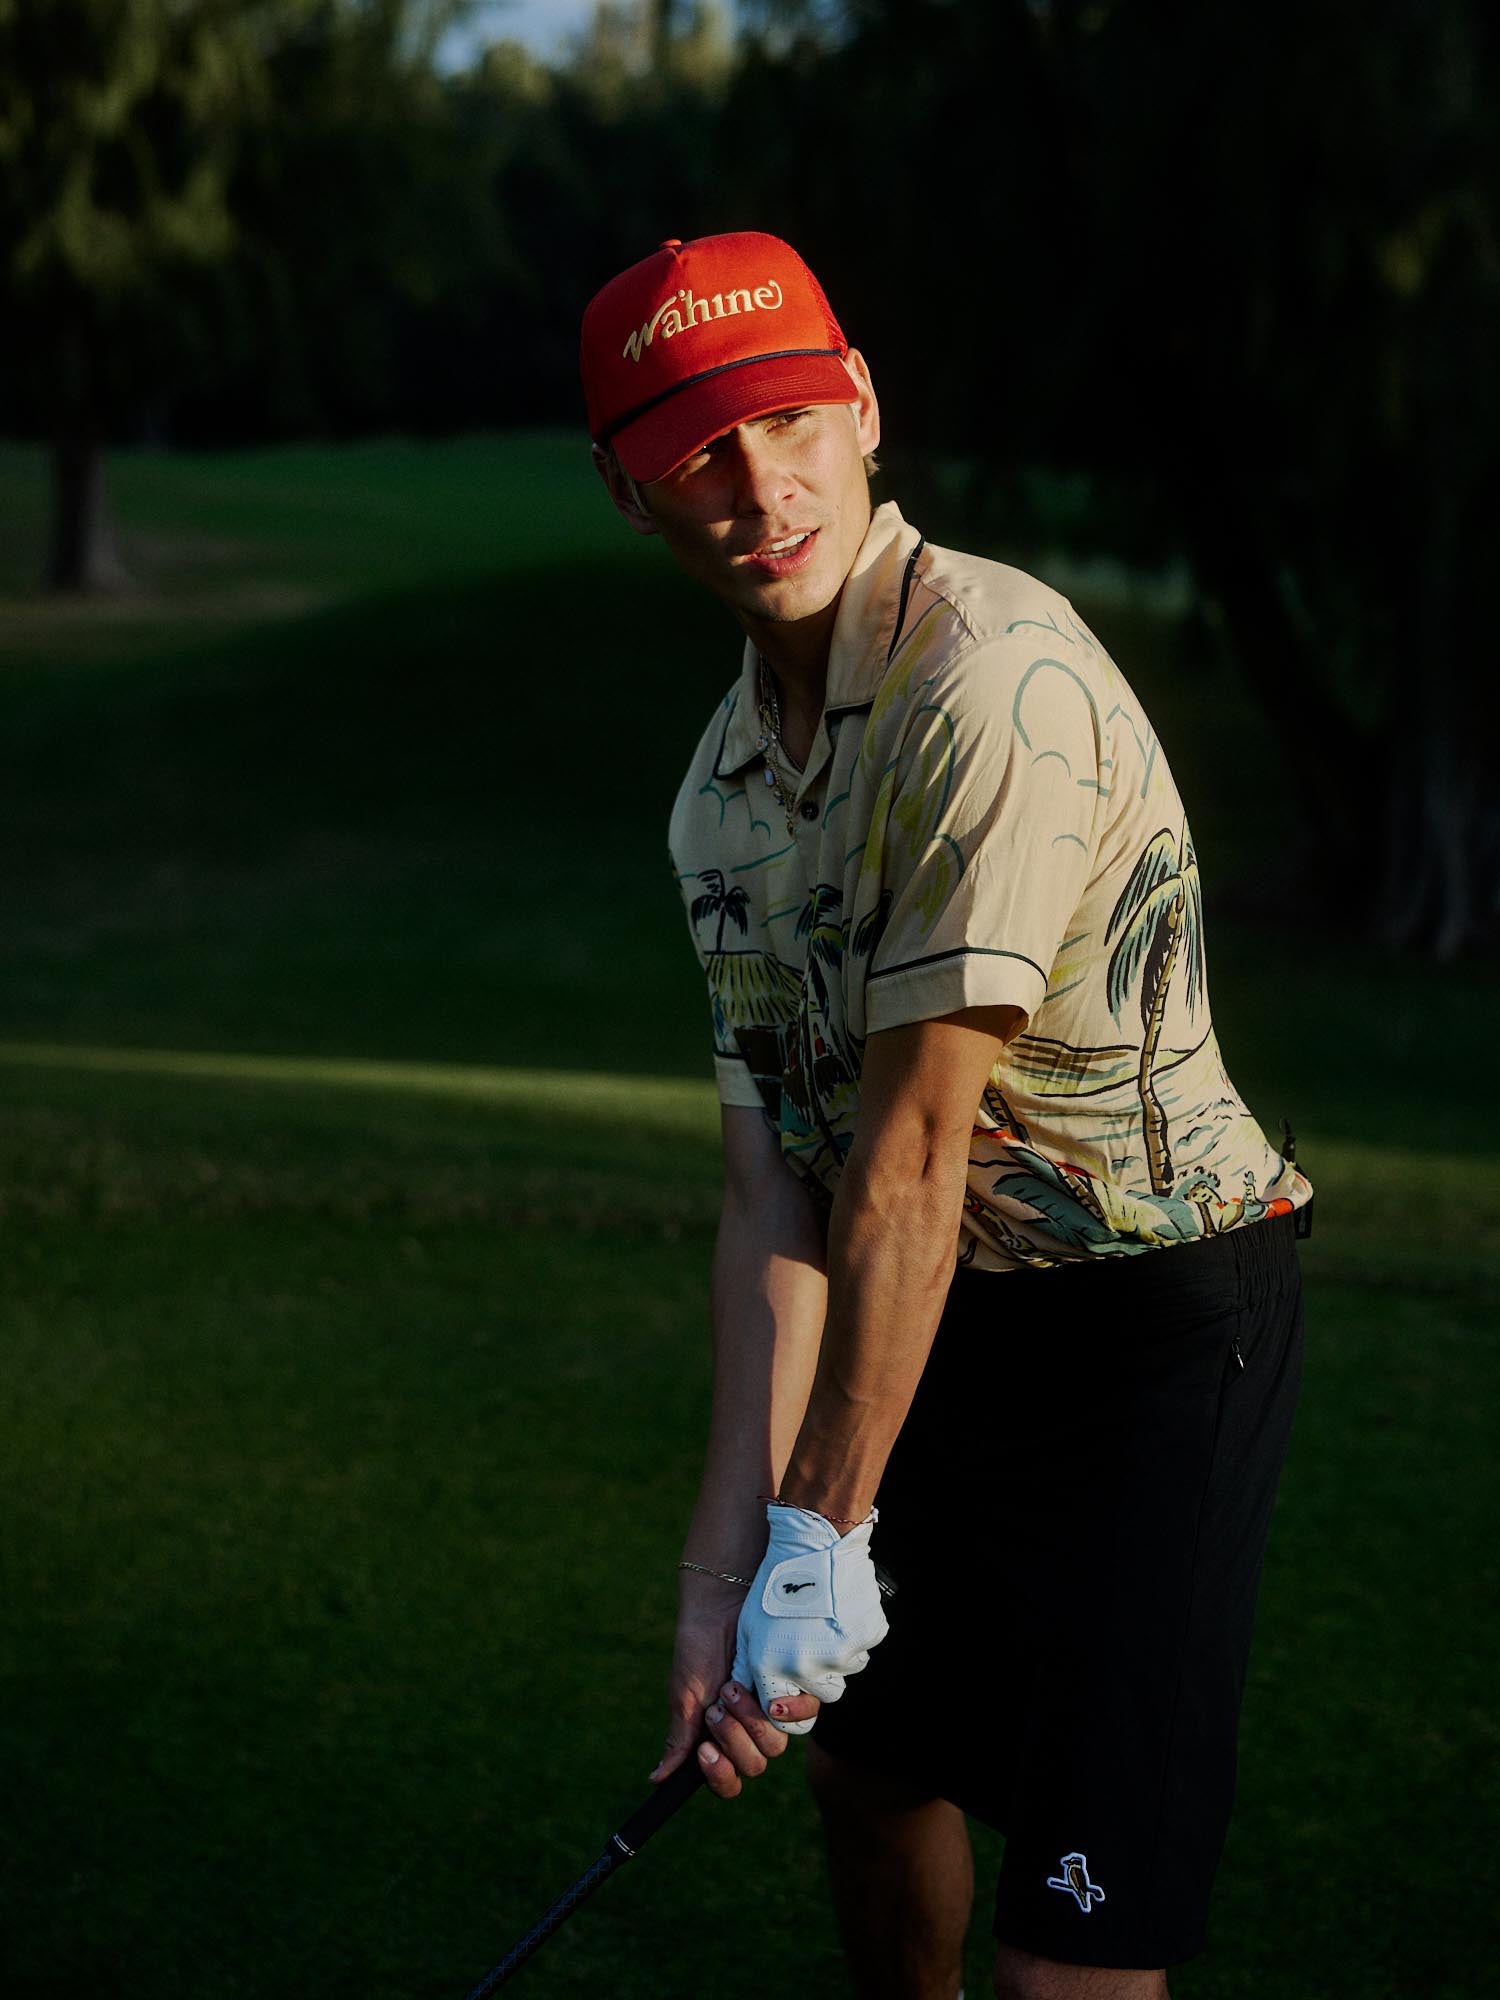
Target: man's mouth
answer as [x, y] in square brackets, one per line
[783, 556]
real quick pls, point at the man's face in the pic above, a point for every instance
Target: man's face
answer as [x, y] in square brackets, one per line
[770, 515]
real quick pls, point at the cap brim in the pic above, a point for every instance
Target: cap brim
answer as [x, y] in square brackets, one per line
[663, 437]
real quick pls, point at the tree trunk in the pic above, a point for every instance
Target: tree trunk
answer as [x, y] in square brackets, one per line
[81, 555]
[1404, 817]
[661, 28]
[1441, 886]
[1271, 653]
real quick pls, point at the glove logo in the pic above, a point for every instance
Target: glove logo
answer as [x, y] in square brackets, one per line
[1074, 1881]
[792, 1588]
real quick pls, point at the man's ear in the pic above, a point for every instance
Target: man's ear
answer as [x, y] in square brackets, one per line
[623, 491]
[866, 410]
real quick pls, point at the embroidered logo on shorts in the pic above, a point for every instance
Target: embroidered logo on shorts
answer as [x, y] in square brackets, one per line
[1074, 1881]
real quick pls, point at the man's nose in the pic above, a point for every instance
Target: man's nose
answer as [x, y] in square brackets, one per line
[763, 478]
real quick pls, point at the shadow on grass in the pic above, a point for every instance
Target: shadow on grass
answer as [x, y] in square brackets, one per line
[432, 826]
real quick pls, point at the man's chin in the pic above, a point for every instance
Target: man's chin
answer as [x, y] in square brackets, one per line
[786, 614]
[789, 600]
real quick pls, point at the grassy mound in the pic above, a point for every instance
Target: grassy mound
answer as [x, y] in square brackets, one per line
[357, 1177]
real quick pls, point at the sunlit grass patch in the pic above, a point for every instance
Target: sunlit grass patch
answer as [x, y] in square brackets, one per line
[1408, 1219]
[98, 1133]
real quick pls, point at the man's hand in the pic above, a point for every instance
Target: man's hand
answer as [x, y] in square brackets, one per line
[811, 1617]
[704, 1702]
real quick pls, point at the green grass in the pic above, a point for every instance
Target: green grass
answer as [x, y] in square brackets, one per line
[236, 538]
[356, 1190]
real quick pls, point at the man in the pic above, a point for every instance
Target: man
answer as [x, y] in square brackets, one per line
[1000, 1245]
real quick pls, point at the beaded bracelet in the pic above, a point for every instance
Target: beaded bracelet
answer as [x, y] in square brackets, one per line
[724, 1575]
[834, 1520]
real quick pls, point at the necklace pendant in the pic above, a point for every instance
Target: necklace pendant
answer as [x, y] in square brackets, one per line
[770, 777]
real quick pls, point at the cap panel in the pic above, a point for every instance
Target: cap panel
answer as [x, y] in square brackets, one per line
[727, 308]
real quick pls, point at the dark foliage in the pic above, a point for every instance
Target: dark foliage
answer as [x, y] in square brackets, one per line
[1229, 274]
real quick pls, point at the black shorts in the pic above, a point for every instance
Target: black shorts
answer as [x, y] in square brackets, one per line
[1075, 1515]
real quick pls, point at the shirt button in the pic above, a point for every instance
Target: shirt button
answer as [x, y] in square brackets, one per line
[808, 809]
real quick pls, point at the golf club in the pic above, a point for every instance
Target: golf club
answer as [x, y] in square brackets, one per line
[618, 1849]
[621, 1847]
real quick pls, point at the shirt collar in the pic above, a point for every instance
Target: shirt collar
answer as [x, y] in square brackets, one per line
[862, 635]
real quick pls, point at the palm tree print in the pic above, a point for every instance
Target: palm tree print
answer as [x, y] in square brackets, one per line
[1159, 918]
[820, 922]
[822, 1066]
[871, 927]
[722, 902]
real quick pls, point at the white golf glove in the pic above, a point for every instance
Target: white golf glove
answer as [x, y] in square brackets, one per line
[813, 1611]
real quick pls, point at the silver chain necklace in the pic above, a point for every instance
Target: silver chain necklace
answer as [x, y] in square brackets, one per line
[772, 749]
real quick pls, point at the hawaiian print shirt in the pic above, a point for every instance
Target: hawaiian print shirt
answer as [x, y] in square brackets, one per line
[985, 818]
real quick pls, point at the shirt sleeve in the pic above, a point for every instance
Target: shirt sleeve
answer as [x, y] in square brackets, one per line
[984, 834]
[735, 1083]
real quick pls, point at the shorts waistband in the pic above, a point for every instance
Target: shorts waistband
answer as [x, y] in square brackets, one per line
[1255, 1251]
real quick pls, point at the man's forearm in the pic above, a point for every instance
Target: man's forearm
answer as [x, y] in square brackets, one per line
[892, 1243]
[769, 1295]
[890, 1261]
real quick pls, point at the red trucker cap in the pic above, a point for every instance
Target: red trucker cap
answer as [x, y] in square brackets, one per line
[701, 336]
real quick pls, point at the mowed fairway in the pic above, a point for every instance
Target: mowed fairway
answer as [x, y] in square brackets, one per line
[357, 1182]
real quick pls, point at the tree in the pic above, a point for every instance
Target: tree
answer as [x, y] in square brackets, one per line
[116, 137]
[191, 188]
[367, 226]
[1241, 262]
[1304, 272]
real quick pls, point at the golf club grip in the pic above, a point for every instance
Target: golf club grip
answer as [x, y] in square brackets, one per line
[665, 1799]
[633, 1834]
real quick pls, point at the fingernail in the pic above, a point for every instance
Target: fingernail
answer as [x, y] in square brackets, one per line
[731, 1692]
[708, 1754]
[652, 1775]
[716, 1713]
[778, 1709]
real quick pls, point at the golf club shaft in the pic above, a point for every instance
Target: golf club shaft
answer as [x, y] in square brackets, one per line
[621, 1847]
